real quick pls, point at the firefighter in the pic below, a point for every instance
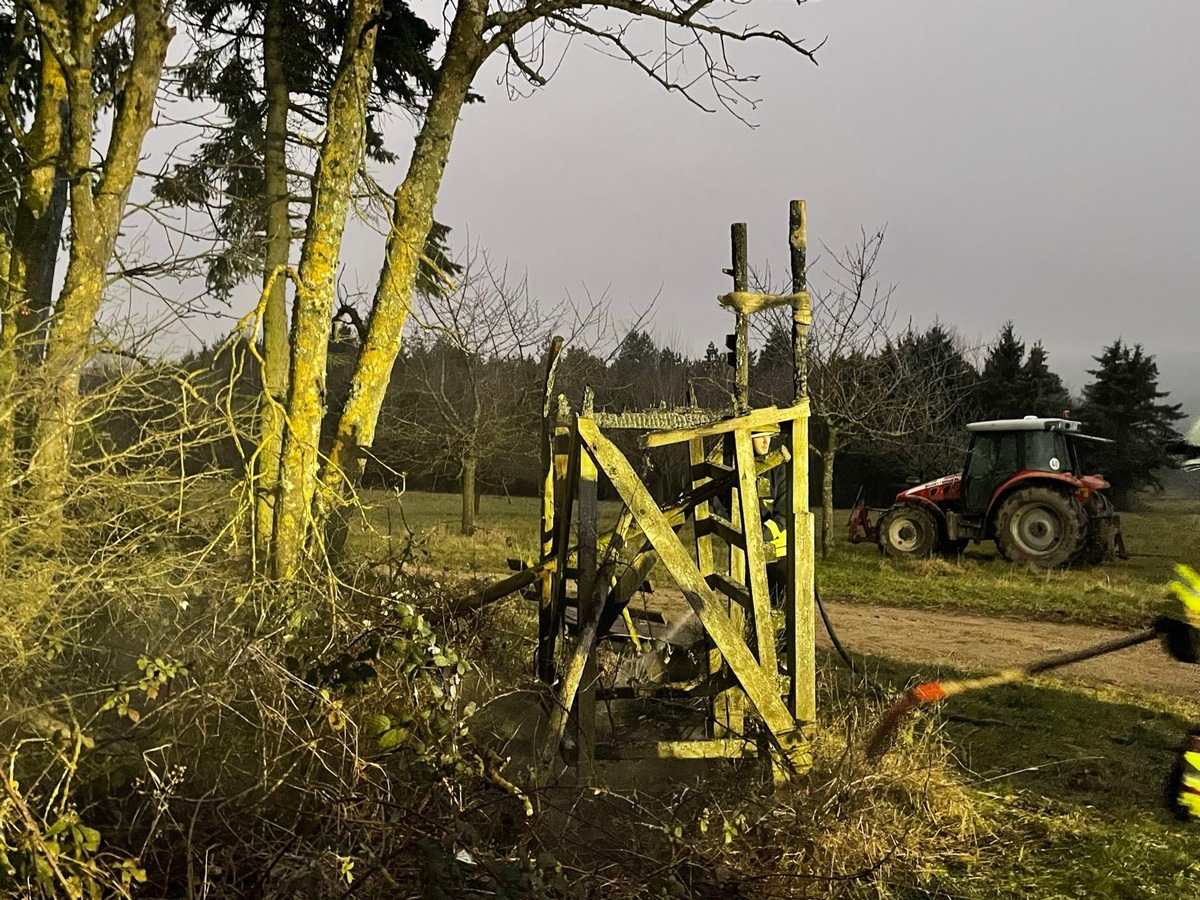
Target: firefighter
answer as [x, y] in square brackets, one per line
[1180, 630]
[773, 506]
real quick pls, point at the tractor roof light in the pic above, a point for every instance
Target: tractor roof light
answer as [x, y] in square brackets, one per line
[1029, 423]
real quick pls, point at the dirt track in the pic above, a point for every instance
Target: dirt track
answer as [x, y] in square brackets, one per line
[979, 643]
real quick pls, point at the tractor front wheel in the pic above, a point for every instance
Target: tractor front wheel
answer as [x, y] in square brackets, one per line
[908, 532]
[1041, 526]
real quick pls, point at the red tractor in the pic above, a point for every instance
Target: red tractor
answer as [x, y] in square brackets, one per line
[1021, 486]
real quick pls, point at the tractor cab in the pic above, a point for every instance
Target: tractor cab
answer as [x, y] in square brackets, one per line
[1001, 449]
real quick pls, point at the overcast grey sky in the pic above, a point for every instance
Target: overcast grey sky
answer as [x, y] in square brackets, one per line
[1032, 161]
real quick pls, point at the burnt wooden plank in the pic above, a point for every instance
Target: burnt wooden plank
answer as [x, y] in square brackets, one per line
[734, 590]
[544, 654]
[590, 605]
[658, 419]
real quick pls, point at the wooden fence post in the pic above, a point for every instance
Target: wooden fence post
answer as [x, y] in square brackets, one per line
[801, 624]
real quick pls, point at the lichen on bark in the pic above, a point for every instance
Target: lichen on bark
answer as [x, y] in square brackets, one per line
[341, 155]
[412, 218]
[97, 196]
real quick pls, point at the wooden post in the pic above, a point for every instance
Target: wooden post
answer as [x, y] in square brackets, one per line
[799, 604]
[704, 553]
[590, 603]
[566, 474]
[729, 709]
[574, 671]
[798, 244]
[741, 278]
[544, 656]
[704, 541]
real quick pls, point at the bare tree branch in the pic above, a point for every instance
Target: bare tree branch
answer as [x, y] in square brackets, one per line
[697, 28]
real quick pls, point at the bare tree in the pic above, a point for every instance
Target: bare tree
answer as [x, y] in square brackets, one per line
[473, 377]
[862, 386]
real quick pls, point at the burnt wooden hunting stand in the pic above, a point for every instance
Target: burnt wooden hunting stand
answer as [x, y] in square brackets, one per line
[749, 711]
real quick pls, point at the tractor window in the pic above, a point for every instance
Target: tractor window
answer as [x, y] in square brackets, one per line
[993, 461]
[1046, 451]
[993, 454]
[983, 455]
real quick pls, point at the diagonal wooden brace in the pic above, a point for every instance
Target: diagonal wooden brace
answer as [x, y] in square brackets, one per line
[756, 564]
[758, 683]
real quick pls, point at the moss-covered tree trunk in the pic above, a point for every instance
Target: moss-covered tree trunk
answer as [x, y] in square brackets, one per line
[828, 457]
[412, 217]
[40, 210]
[274, 320]
[31, 249]
[312, 311]
[98, 195]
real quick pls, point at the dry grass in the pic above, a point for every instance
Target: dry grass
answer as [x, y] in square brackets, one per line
[936, 567]
[229, 739]
[849, 827]
[258, 772]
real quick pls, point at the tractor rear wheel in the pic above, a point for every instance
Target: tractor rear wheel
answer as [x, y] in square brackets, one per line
[1041, 526]
[908, 532]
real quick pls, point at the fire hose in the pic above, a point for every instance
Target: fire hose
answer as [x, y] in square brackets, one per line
[934, 691]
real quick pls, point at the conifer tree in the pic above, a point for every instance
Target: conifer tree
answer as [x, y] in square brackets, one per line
[1122, 404]
[1043, 392]
[998, 394]
[1013, 385]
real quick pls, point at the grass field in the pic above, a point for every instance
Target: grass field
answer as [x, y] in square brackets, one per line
[1066, 781]
[1122, 593]
[1072, 782]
